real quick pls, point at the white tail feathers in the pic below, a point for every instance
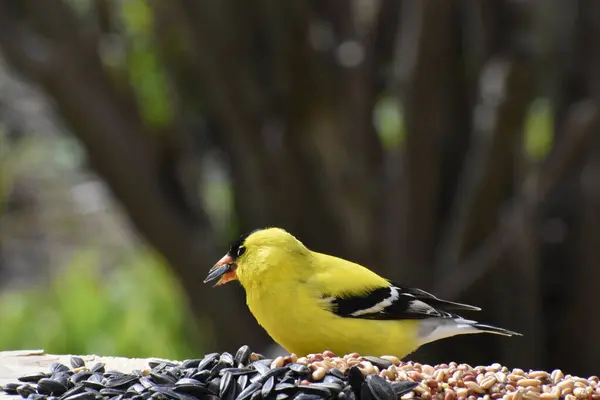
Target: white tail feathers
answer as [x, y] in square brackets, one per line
[440, 328]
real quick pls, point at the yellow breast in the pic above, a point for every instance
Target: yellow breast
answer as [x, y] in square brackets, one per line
[297, 320]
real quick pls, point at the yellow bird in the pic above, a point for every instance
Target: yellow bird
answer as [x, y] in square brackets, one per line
[309, 302]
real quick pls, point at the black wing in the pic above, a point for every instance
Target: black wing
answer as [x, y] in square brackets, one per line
[395, 302]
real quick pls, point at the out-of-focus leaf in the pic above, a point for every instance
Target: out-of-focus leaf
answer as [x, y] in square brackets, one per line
[538, 129]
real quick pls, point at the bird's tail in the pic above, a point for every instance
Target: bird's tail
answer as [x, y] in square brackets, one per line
[495, 329]
[439, 328]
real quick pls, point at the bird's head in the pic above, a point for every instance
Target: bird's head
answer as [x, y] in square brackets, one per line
[255, 254]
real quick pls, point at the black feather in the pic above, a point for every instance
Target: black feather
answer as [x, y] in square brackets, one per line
[394, 302]
[234, 249]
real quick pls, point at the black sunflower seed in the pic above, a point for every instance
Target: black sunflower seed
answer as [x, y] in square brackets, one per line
[332, 387]
[403, 387]
[76, 390]
[225, 384]
[160, 364]
[242, 356]
[273, 372]
[287, 379]
[214, 385]
[237, 371]
[282, 396]
[312, 388]
[192, 363]
[146, 382]
[62, 377]
[378, 362]
[299, 369]
[117, 397]
[25, 390]
[111, 392]
[202, 376]
[333, 380]
[286, 387]
[242, 381]
[196, 390]
[98, 368]
[162, 378]
[337, 373]
[208, 361]
[51, 387]
[136, 388]
[81, 396]
[137, 397]
[92, 384]
[355, 379]
[122, 381]
[96, 377]
[168, 392]
[33, 378]
[260, 367]
[226, 358]
[58, 367]
[76, 362]
[80, 376]
[249, 391]
[308, 396]
[365, 393]
[380, 388]
[256, 396]
[35, 396]
[268, 387]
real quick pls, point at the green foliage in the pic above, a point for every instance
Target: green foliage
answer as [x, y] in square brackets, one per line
[135, 310]
[538, 129]
[146, 73]
[389, 121]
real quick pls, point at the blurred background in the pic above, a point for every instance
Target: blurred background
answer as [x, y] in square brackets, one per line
[450, 145]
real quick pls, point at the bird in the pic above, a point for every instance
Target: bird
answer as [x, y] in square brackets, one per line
[309, 302]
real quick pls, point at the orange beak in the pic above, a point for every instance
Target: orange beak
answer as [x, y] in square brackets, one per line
[224, 270]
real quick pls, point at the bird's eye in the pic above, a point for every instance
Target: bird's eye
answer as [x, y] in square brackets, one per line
[241, 250]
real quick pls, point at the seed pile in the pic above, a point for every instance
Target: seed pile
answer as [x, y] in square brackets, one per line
[249, 376]
[245, 376]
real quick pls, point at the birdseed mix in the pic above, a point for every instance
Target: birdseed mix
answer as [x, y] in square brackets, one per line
[250, 376]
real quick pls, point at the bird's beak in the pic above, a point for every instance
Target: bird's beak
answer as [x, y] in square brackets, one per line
[224, 270]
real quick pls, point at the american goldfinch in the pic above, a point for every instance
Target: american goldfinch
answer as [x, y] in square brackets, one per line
[309, 302]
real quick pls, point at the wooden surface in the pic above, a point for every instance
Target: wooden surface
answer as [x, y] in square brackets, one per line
[17, 363]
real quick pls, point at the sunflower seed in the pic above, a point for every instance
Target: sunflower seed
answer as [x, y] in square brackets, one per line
[73, 391]
[33, 378]
[98, 368]
[51, 387]
[208, 361]
[76, 362]
[300, 369]
[249, 391]
[242, 356]
[58, 367]
[268, 387]
[380, 363]
[193, 363]
[25, 390]
[162, 378]
[380, 388]
[36, 396]
[261, 367]
[81, 396]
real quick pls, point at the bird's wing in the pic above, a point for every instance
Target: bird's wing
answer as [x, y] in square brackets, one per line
[393, 302]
